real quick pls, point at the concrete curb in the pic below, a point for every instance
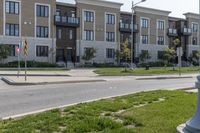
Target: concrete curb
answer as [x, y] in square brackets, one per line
[11, 82]
[42, 75]
[162, 78]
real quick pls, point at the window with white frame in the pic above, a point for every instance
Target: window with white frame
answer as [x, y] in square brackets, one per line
[194, 27]
[194, 40]
[161, 54]
[12, 29]
[88, 16]
[144, 23]
[160, 40]
[110, 18]
[144, 39]
[42, 51]
[12, 7]
[110, 36]
[110, 53]
[42, 11]
[88, 35]
[42, 32]
[160, 24]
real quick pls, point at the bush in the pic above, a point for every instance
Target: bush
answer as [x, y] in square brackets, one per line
[29, 64]
[154, 64]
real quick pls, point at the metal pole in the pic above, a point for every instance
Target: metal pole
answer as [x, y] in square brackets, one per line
[179, 61]
[25, 69]
[132, 40]
[18, 65]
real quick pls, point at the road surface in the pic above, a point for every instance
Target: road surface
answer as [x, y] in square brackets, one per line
[19, 100]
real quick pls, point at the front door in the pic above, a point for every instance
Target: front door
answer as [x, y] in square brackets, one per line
[60, 55]
[69, 55]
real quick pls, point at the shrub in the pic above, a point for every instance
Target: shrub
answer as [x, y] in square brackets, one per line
[29, 64]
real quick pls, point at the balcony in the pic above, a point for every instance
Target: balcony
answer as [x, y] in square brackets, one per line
[172, 32]
[126, 27]
[66, 21]
[186, 31]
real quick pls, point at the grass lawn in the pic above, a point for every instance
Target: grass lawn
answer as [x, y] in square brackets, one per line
[142, 71]
[147, 112]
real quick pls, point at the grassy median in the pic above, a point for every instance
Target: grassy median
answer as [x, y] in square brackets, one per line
[147, 112]
[143, 71]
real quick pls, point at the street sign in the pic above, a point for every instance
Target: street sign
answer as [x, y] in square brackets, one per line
[25, 48]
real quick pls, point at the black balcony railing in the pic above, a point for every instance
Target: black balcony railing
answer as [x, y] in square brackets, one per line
[186, 31]
[126, 27]
[172, 32]
[66, 21]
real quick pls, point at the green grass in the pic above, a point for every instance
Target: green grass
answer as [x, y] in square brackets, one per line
[142, 71]
[114, 115]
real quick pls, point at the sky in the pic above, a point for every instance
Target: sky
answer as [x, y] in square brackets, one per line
[177, 7]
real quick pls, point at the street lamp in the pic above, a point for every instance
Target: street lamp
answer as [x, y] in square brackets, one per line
[132, 28]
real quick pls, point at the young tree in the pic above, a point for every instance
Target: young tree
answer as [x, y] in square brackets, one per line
[177, 43]
[144, 56]
[125, 53]
[196, 56]
[169, 55]
[4, 51]
[89, 54]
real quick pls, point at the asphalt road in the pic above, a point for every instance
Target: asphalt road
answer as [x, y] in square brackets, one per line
[17, 100]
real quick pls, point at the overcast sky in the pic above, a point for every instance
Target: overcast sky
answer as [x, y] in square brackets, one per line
[178, 7]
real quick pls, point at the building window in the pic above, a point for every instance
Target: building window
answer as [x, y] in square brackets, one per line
[160, 40]
[12, 29]
[89, 35]
[42, 32]
[42, 51]
[161, 54]
[144, 39]
[88, 16]
[110, 53]
[110, 36]
[144, 23]
[194, 27]
[12, 7]
[13, 50]
[160, 24]
[70, 34]
[194, 41]
[58, 12]
[59, 33]
[42, 11]
[110, 19]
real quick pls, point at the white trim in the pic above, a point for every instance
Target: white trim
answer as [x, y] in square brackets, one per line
[149, 27]
[195, 32]
[20, 17]
[102, 3]
[83, 24]
[115, 25]
[49, 17]
[164, 34]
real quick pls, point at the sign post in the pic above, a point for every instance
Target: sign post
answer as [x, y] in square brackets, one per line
[18, 54]
[25, 55]
[179, 53]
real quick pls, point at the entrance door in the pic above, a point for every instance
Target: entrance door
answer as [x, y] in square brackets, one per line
[60, 55]
[69, 55]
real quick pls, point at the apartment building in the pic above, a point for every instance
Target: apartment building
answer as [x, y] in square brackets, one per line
[61, 32]
[31, 20]
[66, 25]
[99, 29]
